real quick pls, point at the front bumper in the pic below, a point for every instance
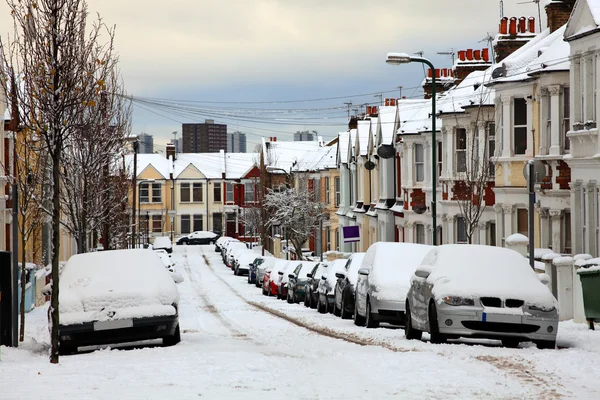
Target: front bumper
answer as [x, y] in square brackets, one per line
[491, 323]
[142, 329]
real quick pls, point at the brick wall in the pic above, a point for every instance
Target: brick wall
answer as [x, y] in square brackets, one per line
[558, 13]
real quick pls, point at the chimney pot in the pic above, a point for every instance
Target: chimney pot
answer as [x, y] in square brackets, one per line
[522, 25]
[274, 138]
[438, 73]
[477, 54]
[532, 24]
[368, 110]
[512, 29]
[485, 54]
[374, 109]
[504, 26]
[469, 54]
[429, 73]
[461, 55]
[392, 102]
[387, 102]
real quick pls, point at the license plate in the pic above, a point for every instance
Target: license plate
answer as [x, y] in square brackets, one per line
[506, 318]
[114, 324]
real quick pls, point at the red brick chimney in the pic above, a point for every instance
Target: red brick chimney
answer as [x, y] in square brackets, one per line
[171, 151]
[470, 60]
[558, 13]
[444, 80]
[512, 34]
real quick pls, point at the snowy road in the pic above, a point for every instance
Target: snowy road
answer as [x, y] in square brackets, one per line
[237, 343]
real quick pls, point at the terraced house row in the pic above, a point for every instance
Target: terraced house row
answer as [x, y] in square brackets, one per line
[536, 99]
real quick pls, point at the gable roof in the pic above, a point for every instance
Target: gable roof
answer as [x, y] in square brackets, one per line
[415, 116]
[585, 19]
[470, 92]
[285, 154]
[387, 124]
[362, 137]
[342, 148]
[320, 159]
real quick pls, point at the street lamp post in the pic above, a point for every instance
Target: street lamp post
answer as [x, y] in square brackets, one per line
[403, 58]
[140, 201]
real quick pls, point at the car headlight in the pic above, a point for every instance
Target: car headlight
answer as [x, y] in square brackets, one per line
[541, 308]
[458, 301]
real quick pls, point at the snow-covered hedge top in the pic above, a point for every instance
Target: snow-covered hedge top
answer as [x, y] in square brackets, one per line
[584, 256]
[475, 271]
[539, 253]
[517, 238]
[392, 265]
[587, 263]
[162, 242]
[355, 263]
[563, 261]
[126, 283]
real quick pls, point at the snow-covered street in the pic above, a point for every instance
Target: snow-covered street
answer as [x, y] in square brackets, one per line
[237, 343]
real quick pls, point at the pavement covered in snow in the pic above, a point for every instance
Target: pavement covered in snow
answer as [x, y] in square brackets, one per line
[238, 344]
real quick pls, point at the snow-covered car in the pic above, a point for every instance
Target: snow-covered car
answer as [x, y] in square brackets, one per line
[383, 281]
[271, 277]
[326, 286]
[162, 242]
[481, 292]
[343, 303]
[243, 261]
[170, 265]
[233, 251]
[261, 268]
[199, 238]
[282, 281]
[219, 242]
[253, 272]
[225, 245]
[312, 284]
[116, 296]
[297, 281]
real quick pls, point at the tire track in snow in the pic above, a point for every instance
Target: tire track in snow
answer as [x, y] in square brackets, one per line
[519, 370]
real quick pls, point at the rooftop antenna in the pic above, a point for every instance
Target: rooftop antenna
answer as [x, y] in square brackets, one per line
[501, 9]
[355, 112]
[539, 10]
[380, 98]
[348, 104]
[400, 89]
[450, 53]
[420, 54]
[490, 41]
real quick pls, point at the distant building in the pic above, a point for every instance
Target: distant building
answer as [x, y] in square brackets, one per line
[178, 145]
[146, 144]
[206, 137]
[236, 142]
[304, 136]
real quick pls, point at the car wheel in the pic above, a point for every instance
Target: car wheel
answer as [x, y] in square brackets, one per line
[336, 311]
[174, 339]
[434, 330]
[289, 298]
[65, 349]
[358, 320]
[264, 291]
[370, 321]
[409, 331]
[546, 344]
[306, 297]
[320, 308]
[314, 303]
[510, 343]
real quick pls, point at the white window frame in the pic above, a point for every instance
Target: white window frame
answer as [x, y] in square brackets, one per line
[338, 194]
[420, 233]
[249, 194]
[228, 192]
[419, 164]
[522, 126]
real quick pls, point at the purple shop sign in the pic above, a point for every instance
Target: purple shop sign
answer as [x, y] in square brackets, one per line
[351, 234]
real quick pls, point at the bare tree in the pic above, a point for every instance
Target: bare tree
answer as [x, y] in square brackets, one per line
[296, 210]
[475, 164]
[63, 66]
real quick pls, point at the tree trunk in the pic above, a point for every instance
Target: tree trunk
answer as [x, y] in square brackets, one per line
[23, 286]
[55, 253]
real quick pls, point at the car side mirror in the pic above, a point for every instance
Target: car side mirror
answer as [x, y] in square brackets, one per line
[291, 276]
[309, 275]
[280, 272]
[544, 278]
[363, 271]
[340, 275]
[423, 271]
[324, 277]
[250, 265]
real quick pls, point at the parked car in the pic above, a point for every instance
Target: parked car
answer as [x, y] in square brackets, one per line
[261, 268]
[326, 285]
[219, 242]
[253, 272]
[243, 262]
[225, 246]
[198, 238]
[481, 292]
[162, 242]
[282, 282]
[297, 281]
[384, 280]
[271, 276]
[343, 304]
[233, 249]
[312, 283]
[102, 302]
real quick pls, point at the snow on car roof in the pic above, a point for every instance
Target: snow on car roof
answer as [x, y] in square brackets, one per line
[307, 266]
[355, 263]
[129, 283]
[162, 242]
[338, 265]
[202, 234]
[476, 271]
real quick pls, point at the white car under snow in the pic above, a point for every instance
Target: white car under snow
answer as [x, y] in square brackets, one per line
[117, 296]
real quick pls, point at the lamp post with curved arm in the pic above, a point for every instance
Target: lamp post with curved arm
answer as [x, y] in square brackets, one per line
[403, 58]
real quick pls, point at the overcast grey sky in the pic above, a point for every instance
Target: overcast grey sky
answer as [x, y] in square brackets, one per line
[276, 50]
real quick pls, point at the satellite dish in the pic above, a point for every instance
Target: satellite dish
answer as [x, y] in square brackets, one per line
[370, 165]
[499, 72]
[419, 208]
[386, 151]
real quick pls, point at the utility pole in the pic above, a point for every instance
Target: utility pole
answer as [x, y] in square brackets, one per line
[380, 98]
[348, 104]
[134, 191]
[400, 89]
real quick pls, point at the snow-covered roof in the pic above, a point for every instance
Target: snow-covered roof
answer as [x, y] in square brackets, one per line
[544, 53]
[362, 138]
[211, 165]
[585, 18]
[343, 141]
[320, 159]
[388, 124]
[285, 154]
[415, 116]
[352, 144]
[470, 92]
